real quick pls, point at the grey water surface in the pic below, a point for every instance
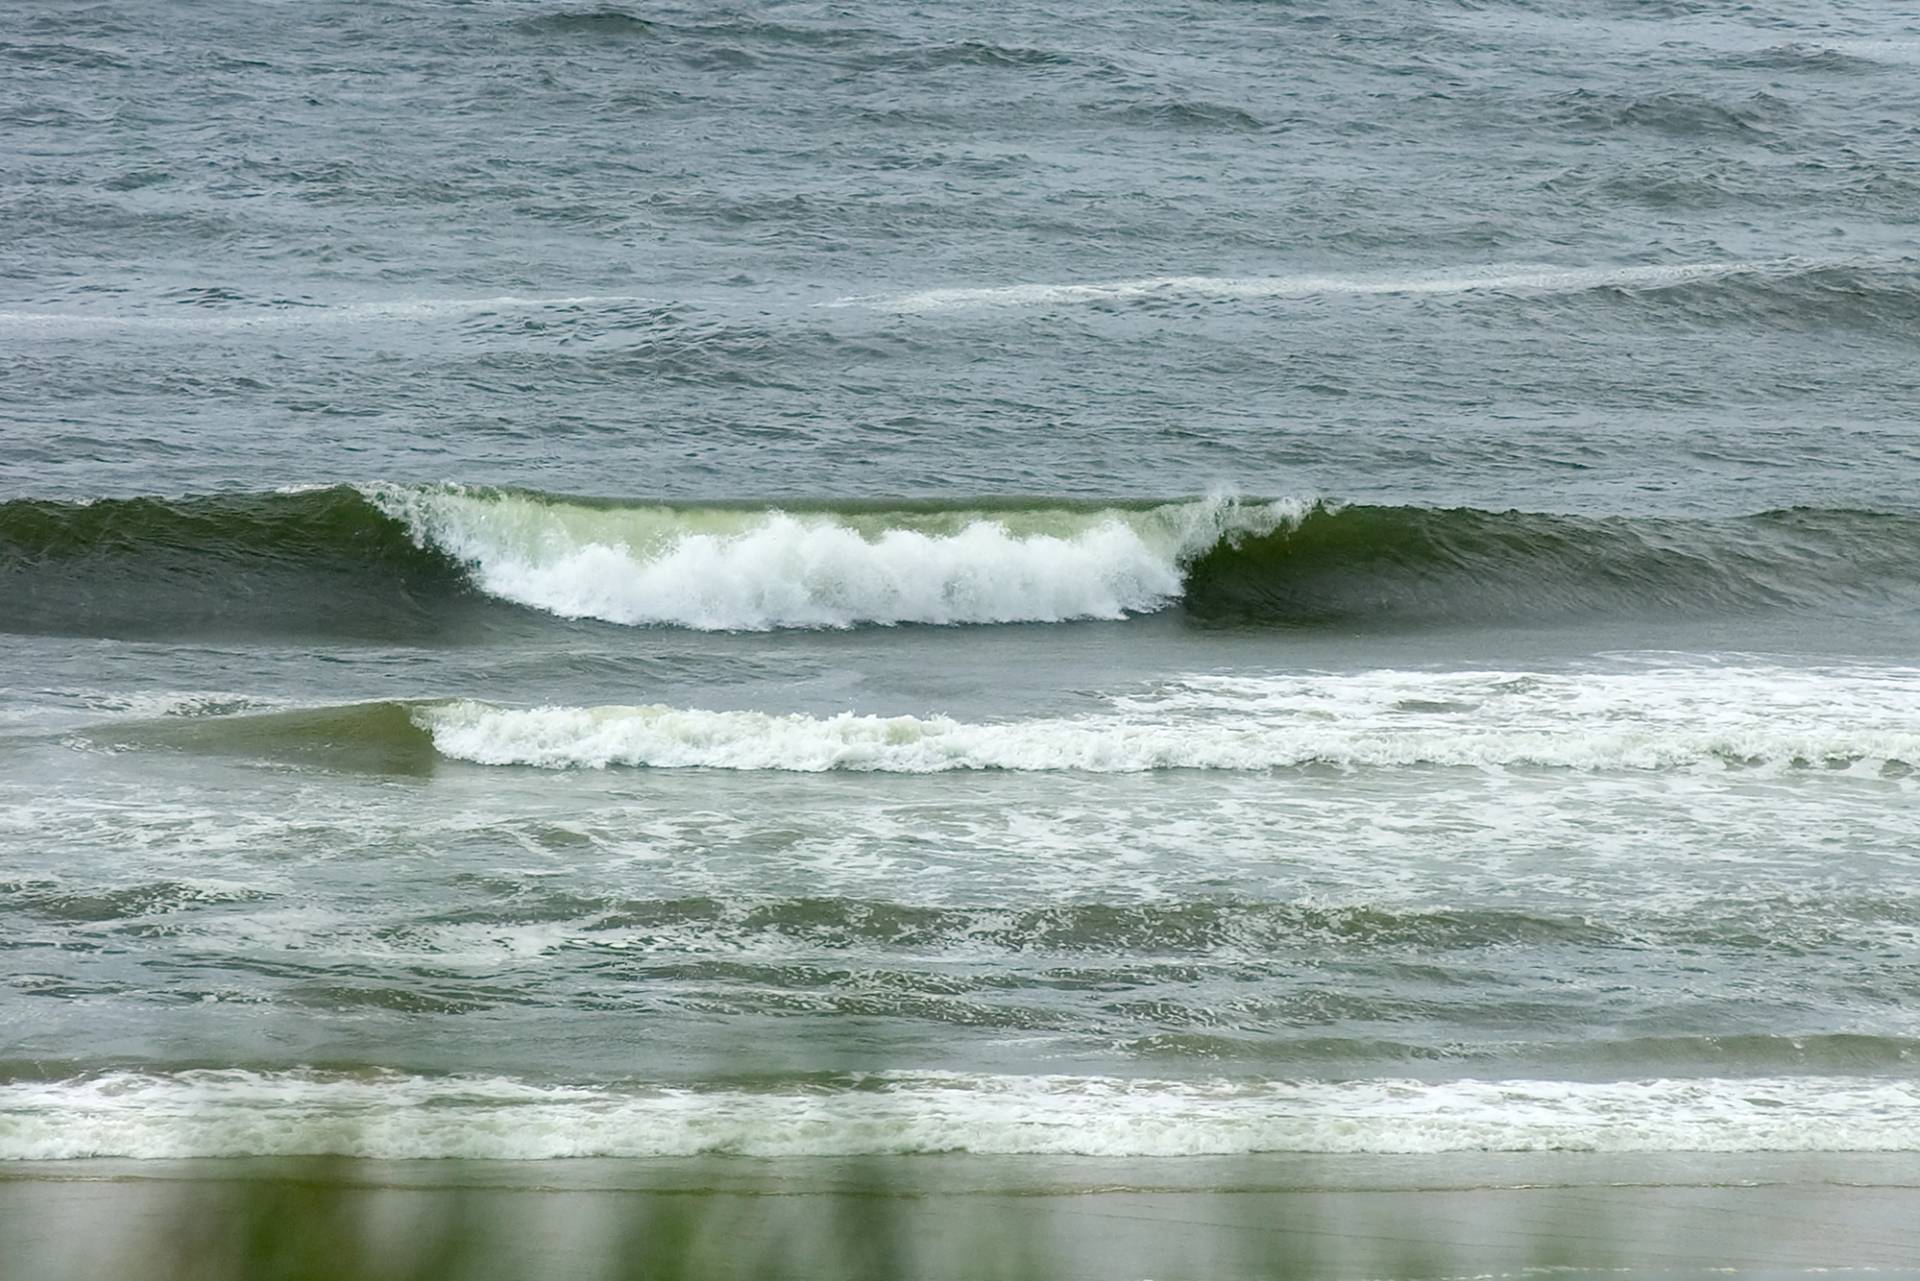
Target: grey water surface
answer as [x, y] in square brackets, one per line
[808, 579]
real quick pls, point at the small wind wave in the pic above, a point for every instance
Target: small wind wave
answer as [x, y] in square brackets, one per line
[396, 1116]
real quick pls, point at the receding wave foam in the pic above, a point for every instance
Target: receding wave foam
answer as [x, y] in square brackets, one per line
[755, 569]
[1517, 278]
[1750, 717]
[219, 1113]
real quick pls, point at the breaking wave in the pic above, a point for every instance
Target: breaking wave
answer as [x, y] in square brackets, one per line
[426, 562]
[720, 568]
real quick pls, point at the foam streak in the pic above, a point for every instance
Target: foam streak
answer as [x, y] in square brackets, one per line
[1684, 718]
[1528, 278]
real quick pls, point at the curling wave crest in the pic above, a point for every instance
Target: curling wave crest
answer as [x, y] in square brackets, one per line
[391, 1115]
[752, 569]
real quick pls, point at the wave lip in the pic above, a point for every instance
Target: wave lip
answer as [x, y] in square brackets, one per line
[747, 569]
[392, 1115]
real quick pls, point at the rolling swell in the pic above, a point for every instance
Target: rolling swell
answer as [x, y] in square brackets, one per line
[442, 563]
[322, 562]
[1421, 565]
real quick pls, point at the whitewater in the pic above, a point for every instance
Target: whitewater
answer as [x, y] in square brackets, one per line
[1720, 717]
[389, 1116]
[755, 570]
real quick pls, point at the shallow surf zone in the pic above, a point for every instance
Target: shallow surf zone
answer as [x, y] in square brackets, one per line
[396, 1115]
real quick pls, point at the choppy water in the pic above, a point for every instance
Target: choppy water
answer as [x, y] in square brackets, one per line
[851, 579]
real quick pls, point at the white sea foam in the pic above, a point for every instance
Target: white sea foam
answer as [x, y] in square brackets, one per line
[219, 1113]
[1865, 721]
[1765, 849]
[1504, 278]
[154, 704]
[748, 569]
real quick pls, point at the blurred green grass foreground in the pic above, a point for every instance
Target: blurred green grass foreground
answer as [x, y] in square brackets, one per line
[1358, 1218]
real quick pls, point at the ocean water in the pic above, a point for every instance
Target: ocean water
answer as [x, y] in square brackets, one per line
[848, 579]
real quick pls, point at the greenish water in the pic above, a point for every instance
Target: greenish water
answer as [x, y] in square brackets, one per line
[785, 583]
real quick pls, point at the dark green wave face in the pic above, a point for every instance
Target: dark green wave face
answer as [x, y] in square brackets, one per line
[1411, 565]
[445, 564]
[321, 563]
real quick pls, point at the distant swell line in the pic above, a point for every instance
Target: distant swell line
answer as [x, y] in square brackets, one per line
[1527, 278]
[197, 314]
[296, 314]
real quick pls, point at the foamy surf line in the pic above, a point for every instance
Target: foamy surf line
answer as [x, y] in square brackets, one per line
[396, 1116]
[1517, 278]
[1851, 721]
